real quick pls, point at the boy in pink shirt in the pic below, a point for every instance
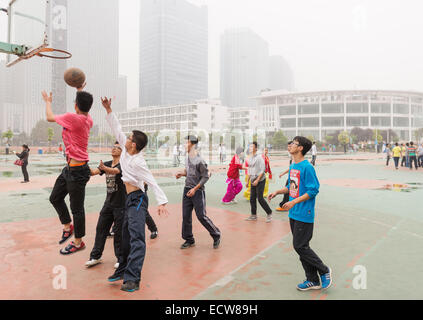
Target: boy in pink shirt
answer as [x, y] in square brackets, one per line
[75, 175]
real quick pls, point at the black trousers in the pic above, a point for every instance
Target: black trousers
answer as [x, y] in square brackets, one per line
[108, 216]
[25, 172]
[257, 192]
[313, 160]
[71, 181]
[420, 161]
[396, 160]
[285, 196]
[133, 246]
[403, 161]
[387, 160]
[302, 233]
[198, 203]
[411, 160]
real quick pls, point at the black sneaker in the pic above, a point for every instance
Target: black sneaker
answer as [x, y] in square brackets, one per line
[216, 243]
[154, 235]
[66, 235]
[187, 245]
[115, 277]
[130, 286]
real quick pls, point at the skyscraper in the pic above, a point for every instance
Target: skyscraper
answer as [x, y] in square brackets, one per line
[173, 52]
[280, 73]
[93, 40]
[244, 67]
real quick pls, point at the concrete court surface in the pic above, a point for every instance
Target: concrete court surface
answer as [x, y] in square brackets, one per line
[367, 215]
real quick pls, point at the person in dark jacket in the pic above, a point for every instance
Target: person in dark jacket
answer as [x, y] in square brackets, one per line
[24, 157]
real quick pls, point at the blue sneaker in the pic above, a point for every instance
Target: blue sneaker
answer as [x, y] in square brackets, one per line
[308, 285]
[326, 279]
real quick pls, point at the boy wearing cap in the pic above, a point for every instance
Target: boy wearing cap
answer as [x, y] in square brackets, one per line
[194, 196]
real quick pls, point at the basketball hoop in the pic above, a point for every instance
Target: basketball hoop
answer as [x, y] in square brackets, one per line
[55, 53]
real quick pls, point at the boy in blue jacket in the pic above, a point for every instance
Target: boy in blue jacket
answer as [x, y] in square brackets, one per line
[303, 188]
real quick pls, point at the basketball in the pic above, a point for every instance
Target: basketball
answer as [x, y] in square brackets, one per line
[74, 77]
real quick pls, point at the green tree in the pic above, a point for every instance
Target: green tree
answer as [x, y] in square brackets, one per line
[8, 135]
[38, 133]
[344, 139]
[379, 136]
[279, 140]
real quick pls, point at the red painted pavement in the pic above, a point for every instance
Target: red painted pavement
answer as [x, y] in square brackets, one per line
[29, 251]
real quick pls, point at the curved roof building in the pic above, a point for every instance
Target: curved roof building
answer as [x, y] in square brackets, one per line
[321, 113]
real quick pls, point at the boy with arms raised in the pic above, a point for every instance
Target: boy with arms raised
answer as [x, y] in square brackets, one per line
[75, 175]
[135, 173]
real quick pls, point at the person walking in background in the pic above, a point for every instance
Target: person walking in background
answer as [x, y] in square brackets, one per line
[257, 178]
[396, 152]
[7, 148]
[407, 157]
[313, 154]
[403, 152]
[219, 151]
[233, 182]
[420, 155]
[412, 155]
[194, 195]
[24, 157]
[388, 153]
[175, 155]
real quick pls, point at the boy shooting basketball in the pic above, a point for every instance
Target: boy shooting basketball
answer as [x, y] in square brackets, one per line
[75, 175]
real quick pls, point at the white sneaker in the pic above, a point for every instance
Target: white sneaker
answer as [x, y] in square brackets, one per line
[116, 265]
[92, 262]
[234, 201]
[269, 218]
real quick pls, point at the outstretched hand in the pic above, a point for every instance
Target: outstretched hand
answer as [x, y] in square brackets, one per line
[47, 98]
[107, 104]
[162, 211]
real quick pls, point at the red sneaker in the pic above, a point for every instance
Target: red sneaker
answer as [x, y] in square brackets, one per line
[72, 248]
[66, 234]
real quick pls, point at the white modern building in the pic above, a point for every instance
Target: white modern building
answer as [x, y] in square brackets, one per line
[322, 113]
[205, 115]
[243, 119]
[173, 52]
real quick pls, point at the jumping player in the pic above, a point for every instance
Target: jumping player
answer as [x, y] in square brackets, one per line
[75, 175]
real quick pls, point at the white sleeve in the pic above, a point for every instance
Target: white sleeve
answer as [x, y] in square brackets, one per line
[144, 174]
[116, 128]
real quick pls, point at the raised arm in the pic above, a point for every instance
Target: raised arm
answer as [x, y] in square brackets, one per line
[48, 99]
[113, 121]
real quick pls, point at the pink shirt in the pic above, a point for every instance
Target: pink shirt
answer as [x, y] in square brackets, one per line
[76, 132]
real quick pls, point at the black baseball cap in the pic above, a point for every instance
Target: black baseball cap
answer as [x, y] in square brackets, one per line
[192, 139]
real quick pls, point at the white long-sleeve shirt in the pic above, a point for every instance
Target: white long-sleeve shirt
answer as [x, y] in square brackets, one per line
[134, 167]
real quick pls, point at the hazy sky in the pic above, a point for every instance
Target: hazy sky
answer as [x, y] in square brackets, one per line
[330, 44]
